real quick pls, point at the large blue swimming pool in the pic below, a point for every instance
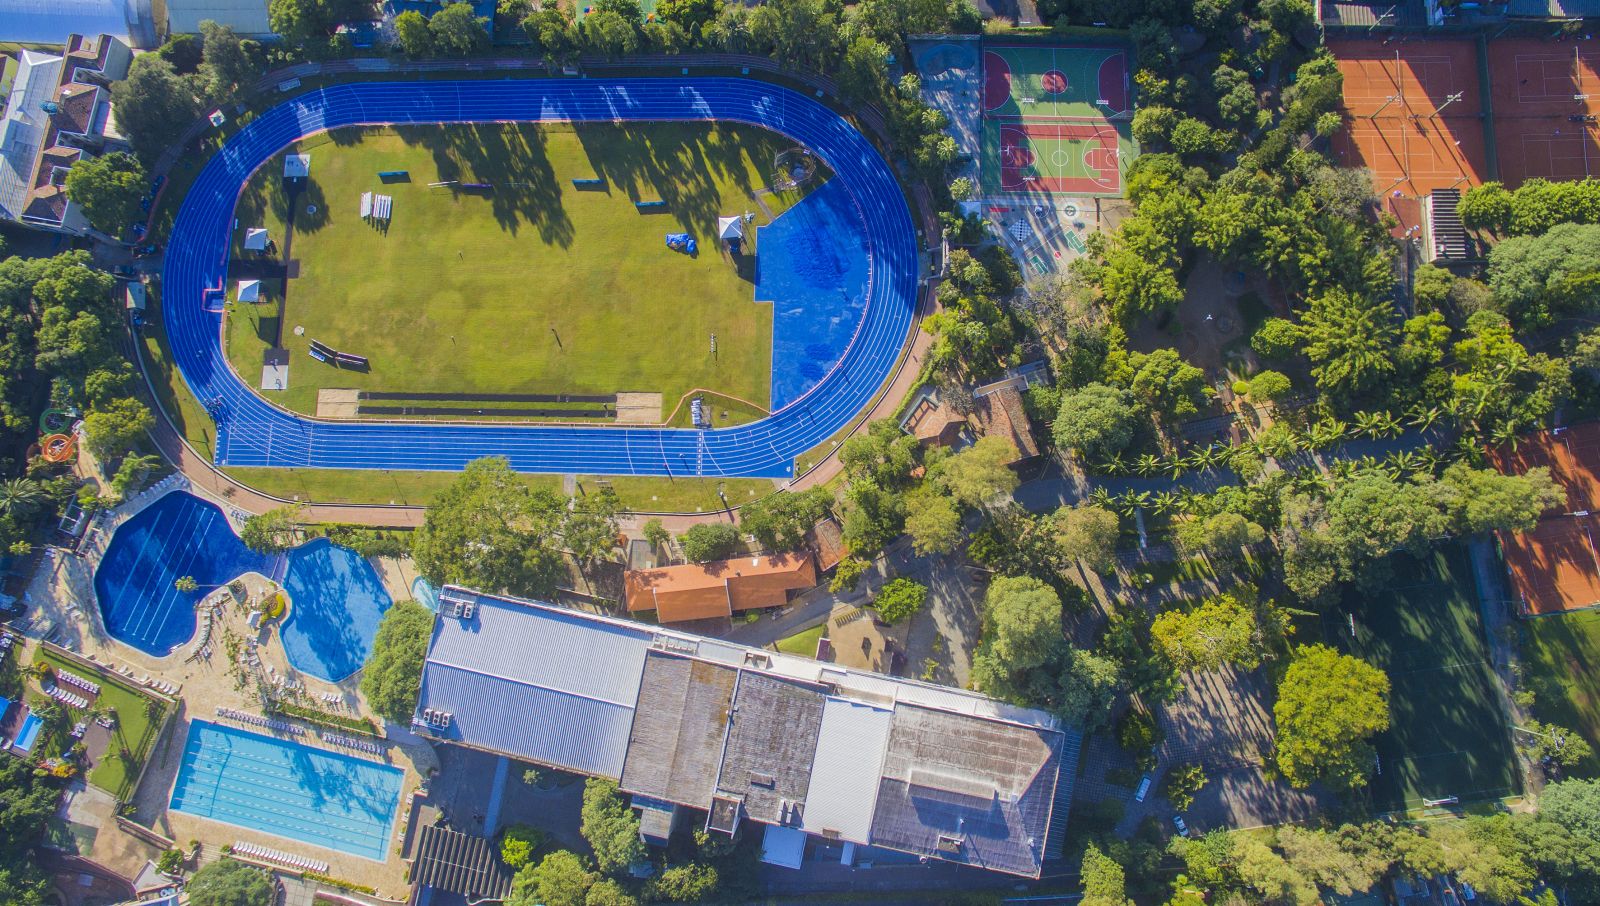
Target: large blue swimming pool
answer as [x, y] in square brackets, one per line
[280, 787]
[335, 597]
[178, 535]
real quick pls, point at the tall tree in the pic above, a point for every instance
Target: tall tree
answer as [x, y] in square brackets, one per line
[153, 105]
[781, 521]
[1104, 883]
[109, 189]
[1350, 341]
[457, 31]
[229, 64]
[490, 530]
[1089, 533]
[610, 826]
[1096, 421]
[980, 475]
[392, 677]
[1230, 628]
[1329, 705]
[559, 879]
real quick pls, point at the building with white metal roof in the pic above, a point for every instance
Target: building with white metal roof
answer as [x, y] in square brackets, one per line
[49, 22]
[689, 722]
[245, 17]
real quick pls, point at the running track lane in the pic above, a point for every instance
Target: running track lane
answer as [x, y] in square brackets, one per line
[251, 432]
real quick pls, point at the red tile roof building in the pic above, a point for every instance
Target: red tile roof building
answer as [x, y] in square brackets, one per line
[702, 591]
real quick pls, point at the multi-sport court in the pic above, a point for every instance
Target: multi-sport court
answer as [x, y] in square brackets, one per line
[1417, 115]
[252, 432]
[1056, 119]
[1423, 628]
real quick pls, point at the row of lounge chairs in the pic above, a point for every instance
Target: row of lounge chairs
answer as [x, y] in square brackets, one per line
[67, 698]
[282, 858]
[256, 720]
[360, 745]
[80, 682]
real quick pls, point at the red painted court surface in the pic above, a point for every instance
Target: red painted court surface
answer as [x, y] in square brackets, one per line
[1545, 94]
[1413, 117]
[1556, 567]
[1064, 158]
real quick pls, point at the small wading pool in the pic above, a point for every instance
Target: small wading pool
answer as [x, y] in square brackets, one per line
[283, 788]
[335, 597]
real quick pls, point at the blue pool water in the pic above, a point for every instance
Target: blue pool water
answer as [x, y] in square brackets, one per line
[335, 597]
[280, 787]
[178, 535]
[27, 734]
[423, 592]
[811, 263]
[335, 603]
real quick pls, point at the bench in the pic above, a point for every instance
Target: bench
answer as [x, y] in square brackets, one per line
[588, 184]
[648, 206]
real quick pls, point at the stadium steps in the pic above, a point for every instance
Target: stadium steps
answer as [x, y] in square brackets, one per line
[1449, 237]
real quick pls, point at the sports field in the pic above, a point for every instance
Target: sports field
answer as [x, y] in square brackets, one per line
[1448, 736]
[1559, 653]
[530, 287]
[1056, 119]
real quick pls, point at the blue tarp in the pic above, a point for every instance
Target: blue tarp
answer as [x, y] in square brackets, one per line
[811, 264]
[682, 242]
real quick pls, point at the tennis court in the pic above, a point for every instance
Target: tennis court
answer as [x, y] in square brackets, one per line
[1448, 736]
[1414, 118]
[1556, 567]
[1056, 119]
[1546, 99]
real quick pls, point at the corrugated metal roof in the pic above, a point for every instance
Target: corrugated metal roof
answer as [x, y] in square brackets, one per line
[537, 682]
[1553, 9]
[51, 21]
[448, 860]
[23, 128]
[247, 17]
[540, 724]
[845, 772]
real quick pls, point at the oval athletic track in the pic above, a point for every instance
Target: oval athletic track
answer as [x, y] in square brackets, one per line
[252, 432]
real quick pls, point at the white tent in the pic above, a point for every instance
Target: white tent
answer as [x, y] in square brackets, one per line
[730, 228]
[297, 166]
[249, 290]
[366, 205]
[255, 239]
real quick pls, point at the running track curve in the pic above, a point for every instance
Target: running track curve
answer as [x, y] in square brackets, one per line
[252, 432]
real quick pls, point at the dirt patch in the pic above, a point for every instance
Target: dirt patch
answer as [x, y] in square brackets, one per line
[334, 403]
[634, 408]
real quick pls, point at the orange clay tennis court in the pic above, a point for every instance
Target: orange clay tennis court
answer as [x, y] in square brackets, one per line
[1414, 118]
[1556, 567]
[1546, 98]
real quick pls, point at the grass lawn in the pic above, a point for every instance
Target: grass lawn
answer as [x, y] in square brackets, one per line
[1559, 654]
[1448, 736]
[803, 643]
[137, 725]
[533, 287]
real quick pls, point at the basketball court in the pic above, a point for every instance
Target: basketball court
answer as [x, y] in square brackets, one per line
[1056, 120]
[1556, 567]
[1413, 117]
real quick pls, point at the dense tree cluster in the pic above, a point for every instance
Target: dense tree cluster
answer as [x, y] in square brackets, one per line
[166, 92]
[1532, 208]
[392, 677]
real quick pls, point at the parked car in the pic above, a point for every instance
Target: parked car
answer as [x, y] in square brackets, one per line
[1177, 822]
[1144, 789]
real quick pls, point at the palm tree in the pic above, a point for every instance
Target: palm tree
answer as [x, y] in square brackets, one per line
[1133, 501]
[1423, 417]
[1102, 498]
[1165, 502]
[1147, 464]
[20, 497]
[1114, 466]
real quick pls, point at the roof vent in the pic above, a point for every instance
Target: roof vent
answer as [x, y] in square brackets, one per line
[949, 844]
[762, 778]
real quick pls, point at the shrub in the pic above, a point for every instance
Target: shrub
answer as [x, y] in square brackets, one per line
[900, 600]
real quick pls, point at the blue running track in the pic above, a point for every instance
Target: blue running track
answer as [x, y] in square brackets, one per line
[252, 432]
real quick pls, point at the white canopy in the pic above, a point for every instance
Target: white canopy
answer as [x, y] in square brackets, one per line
[255, 239]
[297, 166]
[730, 227]
[249, 290]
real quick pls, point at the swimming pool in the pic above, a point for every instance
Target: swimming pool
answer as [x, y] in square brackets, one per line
[335, 596]
[178, 535]
[335, 603]
[279, 787]
[423, 592]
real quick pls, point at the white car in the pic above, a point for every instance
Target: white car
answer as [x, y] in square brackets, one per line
[1183, 829]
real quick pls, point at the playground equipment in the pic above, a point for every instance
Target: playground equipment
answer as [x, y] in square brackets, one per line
[58, 447]
[682, 242]
[53, 421]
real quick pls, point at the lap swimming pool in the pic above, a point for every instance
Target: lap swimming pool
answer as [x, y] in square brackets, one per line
[335, 597]
[283, 788]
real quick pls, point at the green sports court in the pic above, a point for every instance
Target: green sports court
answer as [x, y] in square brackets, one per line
[1056, 119]
[1448, 736]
